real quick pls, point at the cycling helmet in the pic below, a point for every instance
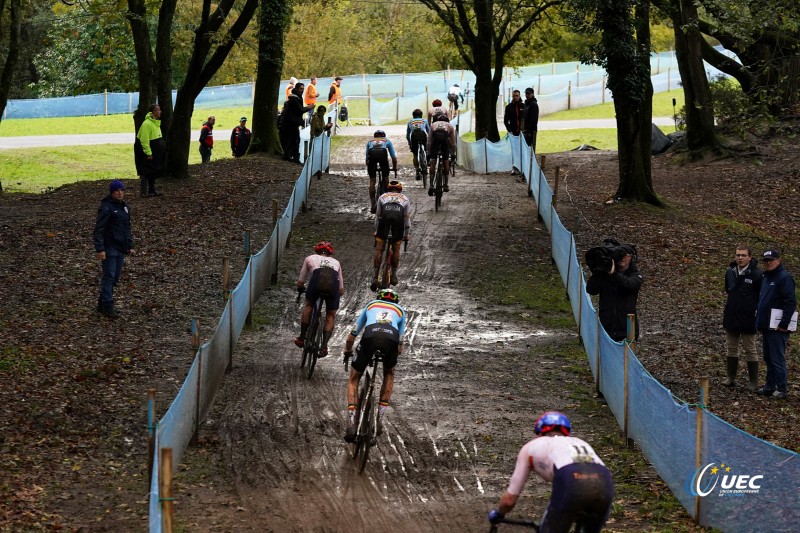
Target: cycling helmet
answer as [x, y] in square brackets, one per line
[324, 246]
[455, 85]
[417, 113]
[437, 103]
[553, 420]
[388, 295]
[380, 133]
[394, 186]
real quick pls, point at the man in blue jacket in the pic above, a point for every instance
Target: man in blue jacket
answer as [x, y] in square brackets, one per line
[112, 242]
[776, 297]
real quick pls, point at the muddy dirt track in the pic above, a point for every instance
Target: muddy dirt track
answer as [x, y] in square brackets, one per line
[472, 378]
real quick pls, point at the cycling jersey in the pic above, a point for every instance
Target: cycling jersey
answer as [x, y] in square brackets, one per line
[546, 455]
[316, 261]
[380, 143]
[438, 110]
[416, 123]
[390, 316]
[442, 139]
[393, 215]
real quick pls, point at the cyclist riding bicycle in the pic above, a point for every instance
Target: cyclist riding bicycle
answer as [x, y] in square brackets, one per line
[379, 149]
[325, 280]
[454, 94]
[582, 486]
[417, 135]
[442, 140]
[392, 219]
[436, 110]
[383, 322]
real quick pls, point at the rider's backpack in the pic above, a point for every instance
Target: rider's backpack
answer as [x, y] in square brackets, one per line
[418, 136]
[343, 113]
[327, 280]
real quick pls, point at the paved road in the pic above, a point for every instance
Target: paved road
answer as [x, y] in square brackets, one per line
[396, 130]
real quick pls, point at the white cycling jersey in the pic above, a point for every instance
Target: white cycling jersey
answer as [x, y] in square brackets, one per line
[547, 454]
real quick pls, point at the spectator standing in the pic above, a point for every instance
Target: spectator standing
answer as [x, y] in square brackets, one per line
[290, 86]
[777, 294]
[512, 118]
[112, 242]
[619, 290]
[240, 138]
[335, 92]
[318, 125]
[310, 96]
[207, 139]
[151, 153]
[530, 119]
[291, 120]
[743, 285]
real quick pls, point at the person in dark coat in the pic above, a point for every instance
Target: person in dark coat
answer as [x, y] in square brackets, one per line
[777, 295]
[619, 290]
[240, 138]
[112, 242]
[290, 123]
[530, 119]
[742, 285]
[512, 118]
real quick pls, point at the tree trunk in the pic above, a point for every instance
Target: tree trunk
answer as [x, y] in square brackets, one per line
[163, 66]
[137, 18]
[699, 107]
[273, 22]
[633, 94]
[7, 74]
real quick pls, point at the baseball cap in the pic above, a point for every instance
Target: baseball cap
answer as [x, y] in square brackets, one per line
[116, 185]
[243, 119]
[529, 91]
[771, 254]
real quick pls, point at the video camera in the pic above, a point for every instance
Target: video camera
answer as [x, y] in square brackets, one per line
[599, 258]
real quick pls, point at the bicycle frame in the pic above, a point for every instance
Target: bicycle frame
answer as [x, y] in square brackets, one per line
[313, 337]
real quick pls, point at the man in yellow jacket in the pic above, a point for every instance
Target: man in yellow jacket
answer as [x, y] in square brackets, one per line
[150, 152]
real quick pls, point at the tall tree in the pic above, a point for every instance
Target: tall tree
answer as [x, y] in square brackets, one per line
[485, 31]
[764, 35]
[689, 43]
[624, 51]
[12, 43]
[212, 45]
[273, 22]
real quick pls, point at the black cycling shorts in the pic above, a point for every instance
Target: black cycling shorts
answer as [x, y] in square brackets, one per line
[324, 283]
[453, 98]
[392, 222]
[376, 337]
[438, 147]
[378, 156]
[582, 493]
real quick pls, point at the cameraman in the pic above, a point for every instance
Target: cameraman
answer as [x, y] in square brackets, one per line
[618, 289]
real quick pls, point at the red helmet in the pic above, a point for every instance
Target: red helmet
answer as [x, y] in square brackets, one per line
[324, 247]
[394, 186]
[437, 103]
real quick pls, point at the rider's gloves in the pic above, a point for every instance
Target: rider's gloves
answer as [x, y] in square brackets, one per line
[301, 290]
[495, 516]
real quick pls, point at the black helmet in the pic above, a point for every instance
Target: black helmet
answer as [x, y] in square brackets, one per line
[380, 133]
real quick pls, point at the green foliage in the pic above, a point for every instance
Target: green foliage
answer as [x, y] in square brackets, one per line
[738, 112]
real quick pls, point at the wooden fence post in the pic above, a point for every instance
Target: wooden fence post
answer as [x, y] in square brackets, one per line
[274, 277]
[626, 351]
[232, 332]
[249, 320]
[555, 187]
[597, 354]
[151, 433]
[698, 440]
[165, 489]
[569, 95]
[226, 277]
[369, 105]
[569, 268]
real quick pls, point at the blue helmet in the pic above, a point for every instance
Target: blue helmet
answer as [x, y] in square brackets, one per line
[553, 420]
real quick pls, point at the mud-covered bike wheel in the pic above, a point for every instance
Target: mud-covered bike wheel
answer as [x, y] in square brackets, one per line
[438, 187]
[368, 431]
[315, 347]
[362, 394]
[308, 344]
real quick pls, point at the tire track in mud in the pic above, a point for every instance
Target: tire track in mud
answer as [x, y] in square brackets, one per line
[272, 455]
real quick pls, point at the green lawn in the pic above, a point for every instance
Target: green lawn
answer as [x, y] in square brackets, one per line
[662, 107]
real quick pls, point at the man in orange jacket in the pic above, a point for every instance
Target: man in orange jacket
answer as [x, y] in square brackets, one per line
[310, 96]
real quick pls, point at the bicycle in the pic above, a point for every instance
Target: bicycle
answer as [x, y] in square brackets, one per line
[382, 182]
[385, 274]
[517, 522]
[438, 181]
[312, 342]
[366, 413]
[422, 169]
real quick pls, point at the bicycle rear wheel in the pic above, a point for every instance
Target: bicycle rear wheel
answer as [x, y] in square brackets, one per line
[438, 187]
[310, 338]
[362, 403]
[369, 430]
[315, 347]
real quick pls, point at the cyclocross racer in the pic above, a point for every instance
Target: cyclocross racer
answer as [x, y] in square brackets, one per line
[325, 280]
[379, 149]
[441, 140]
[436, 110]
[383, 322]
[392, 219]
[417, 132]
[582, 486]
